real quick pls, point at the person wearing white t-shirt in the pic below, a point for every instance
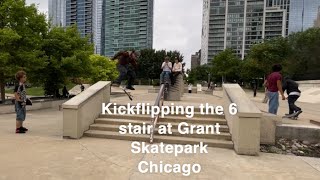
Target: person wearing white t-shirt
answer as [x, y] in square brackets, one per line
[176, 70]
[166, 69]
[190, 88]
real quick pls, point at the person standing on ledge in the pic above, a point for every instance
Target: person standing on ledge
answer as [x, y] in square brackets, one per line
[126, 66]
[274, 84]
[20, 95]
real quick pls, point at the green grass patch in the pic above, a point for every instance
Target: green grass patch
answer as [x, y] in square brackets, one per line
[37, 91]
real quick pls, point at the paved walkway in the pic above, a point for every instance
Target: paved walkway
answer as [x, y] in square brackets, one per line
[311, 111]
[43, 154]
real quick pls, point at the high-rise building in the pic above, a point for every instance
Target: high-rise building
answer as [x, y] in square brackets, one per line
[57, 12]
[238, 24]
[303, 14]
[97, 22]
[317, 21]
[79, 12]
[127, 25]
[195, 59]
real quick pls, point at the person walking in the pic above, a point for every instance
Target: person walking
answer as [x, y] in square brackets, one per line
[274, 84]
[294, 93]
[126, 66]
[190, 88]
[254, 87]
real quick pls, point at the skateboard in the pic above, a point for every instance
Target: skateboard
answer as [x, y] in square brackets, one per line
[293, 116]
[125, 91]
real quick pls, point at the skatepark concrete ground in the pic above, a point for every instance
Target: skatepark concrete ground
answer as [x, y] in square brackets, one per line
[43, 154]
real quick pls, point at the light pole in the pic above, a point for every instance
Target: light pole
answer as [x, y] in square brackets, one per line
[302, 15]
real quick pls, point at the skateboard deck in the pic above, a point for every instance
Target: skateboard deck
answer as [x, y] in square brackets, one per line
[293, 116]
[125, 91]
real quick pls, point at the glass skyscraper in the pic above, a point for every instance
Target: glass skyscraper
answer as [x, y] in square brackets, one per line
[303, 14]
[57, 12]
[79, 12]
[128, 24]
[239, 24]
[97, 20]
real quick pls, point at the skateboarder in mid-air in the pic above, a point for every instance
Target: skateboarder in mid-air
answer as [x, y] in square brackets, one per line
[294, 93]
[127, 65]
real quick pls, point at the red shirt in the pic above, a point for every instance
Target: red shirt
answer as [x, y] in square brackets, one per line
[272, 81]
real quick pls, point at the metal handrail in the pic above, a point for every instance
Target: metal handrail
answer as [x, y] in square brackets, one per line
[159, 103]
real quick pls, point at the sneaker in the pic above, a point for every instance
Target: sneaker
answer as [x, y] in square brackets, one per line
[131, 88]
[24, 129]
[20, 131]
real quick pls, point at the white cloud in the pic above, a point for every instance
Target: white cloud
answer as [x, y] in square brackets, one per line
[177, 25]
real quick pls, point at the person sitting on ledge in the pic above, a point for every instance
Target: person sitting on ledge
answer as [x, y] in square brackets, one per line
[176, 70]
[166, 70]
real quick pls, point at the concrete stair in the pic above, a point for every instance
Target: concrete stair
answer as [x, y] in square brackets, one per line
[107, 126]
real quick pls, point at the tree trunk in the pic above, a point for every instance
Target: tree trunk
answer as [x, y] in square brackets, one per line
[2, 86]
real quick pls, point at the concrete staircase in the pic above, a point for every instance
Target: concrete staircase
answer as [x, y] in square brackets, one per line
[107, 126]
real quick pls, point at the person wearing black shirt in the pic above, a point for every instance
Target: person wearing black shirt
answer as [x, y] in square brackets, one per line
[126, 66]
[293, 92]
[20, 101]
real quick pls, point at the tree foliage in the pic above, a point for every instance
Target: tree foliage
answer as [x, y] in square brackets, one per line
[226, 65]
[67, 58]
[198, 74]
[22, 29]
[102, 69]
[150, 62]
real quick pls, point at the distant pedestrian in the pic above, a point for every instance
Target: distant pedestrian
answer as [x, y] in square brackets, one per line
[274, 84]
[65, 92]
[294, 93]
[20, 95]
[190, 88]
[82, 87]
[254, 86]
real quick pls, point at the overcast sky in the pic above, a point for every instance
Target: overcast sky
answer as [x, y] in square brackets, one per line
[177, 25]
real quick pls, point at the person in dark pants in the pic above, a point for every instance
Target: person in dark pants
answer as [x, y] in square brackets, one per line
[254, 86]
[82, 87]
[126, 66]
[65, 92]
[294, 93]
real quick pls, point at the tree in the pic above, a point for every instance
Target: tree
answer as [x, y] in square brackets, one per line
[198, 74]
[150, 62]
[304, 59]
[226, 65]
[268, 53]
[67, 58]
[250, 69]
[21, 31]
[102, 69]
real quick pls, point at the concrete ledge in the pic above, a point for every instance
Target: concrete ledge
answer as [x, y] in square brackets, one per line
[268, 128]
[81, 111]
[301, 132]
[245, 125]
[36, 105]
